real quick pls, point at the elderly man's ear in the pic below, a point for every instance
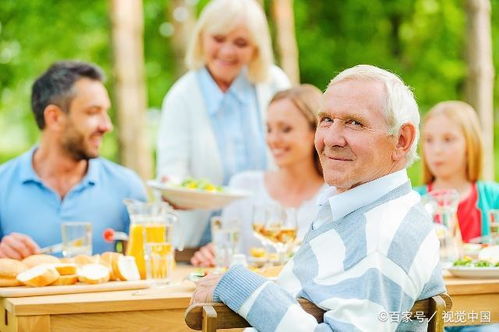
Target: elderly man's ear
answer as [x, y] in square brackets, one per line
[406, 136]
[54, 116]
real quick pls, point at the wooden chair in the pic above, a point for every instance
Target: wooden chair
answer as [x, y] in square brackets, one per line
[210, 317]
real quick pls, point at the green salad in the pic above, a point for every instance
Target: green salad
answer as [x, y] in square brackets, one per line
[200, 184]
[469, 262]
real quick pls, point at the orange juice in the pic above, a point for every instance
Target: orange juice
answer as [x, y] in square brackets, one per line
[154, 232]
[159, 260]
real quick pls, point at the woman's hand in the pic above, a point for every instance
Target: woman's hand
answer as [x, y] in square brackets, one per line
[204, 257]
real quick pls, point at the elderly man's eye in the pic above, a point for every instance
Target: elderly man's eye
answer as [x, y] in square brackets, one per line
[354, 123]
[325, 119]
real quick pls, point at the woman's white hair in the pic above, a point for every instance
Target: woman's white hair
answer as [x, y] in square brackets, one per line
[221, 17]
[400, 106]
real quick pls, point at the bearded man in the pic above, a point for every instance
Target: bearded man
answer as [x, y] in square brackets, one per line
[62, 178]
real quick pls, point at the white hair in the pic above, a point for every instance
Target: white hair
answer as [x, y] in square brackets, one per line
[400, 106]
[221, 17]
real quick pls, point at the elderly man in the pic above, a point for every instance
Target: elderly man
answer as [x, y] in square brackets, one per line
[62, 179]
[372, 250]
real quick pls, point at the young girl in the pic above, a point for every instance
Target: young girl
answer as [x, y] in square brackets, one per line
[453, 159]
[291, 123]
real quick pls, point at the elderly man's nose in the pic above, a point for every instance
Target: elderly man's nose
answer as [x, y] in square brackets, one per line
[334, 136]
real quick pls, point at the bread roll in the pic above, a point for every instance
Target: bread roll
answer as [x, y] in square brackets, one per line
[9, 269]
[9, 282]
[70, 279]
[108, 258]
[82, 260]
[67, 260]
[35, 260]
[126, 269]
[40, 275]
[93, 274]
[66, 269]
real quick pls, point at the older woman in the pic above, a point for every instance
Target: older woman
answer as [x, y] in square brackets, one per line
[213, 118]
[453, 159]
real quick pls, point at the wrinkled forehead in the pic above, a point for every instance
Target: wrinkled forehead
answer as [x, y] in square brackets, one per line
[355, 95]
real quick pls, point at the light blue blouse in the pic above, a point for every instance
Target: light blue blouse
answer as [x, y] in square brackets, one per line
[236, 122]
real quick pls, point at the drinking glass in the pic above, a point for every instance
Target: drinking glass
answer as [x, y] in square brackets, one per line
[494, 226]
[151, 239]
[258, 221]
[442, 204]
[76, 238]
[278, 230]
[225, 238]
[159, 259]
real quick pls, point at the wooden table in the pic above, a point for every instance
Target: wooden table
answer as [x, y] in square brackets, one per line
[163, 309]
[153, 309]
[471, 296]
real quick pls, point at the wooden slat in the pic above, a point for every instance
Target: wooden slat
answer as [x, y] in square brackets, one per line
[227, 319]
[209, 319]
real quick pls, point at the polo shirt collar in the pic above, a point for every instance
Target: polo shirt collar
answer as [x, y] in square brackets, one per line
[342, 204]
[238, 89]
[27, 172]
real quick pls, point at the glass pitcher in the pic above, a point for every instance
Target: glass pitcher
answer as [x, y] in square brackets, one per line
[442, 206]
[150, 223]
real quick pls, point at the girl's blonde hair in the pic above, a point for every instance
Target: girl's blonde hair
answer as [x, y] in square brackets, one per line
[463, 115]
[221, 17]
[307, 99]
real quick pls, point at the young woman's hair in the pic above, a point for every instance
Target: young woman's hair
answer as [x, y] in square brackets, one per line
[307, 99]
[223, 16]
[463, 115]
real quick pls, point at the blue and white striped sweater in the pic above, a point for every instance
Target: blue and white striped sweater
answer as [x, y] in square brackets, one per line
[381, 257]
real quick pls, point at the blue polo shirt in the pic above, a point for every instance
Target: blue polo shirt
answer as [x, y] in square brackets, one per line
[29, 207]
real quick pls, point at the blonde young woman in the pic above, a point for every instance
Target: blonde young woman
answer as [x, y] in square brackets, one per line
[453, 159]
[213, 117]
[291, 123]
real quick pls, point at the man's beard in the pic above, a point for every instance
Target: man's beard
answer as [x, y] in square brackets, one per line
[74, 145]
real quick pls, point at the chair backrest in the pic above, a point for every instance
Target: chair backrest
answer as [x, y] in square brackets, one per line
[210, 317]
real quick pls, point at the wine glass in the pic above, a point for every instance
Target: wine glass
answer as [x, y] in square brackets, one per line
[278, 230]
[259, 219]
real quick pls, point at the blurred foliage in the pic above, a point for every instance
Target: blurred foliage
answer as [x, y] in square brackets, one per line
[424, 41]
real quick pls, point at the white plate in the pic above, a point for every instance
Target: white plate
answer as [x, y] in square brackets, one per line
[474, 272]
[490, 254]
[195, 198]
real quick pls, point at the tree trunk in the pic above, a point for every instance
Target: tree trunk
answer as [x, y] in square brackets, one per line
[480, 83]
[181, 15]
[286, 39]
[130, 90]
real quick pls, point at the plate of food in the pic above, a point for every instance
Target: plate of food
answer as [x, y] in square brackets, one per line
[467, 267]
[191, 193]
